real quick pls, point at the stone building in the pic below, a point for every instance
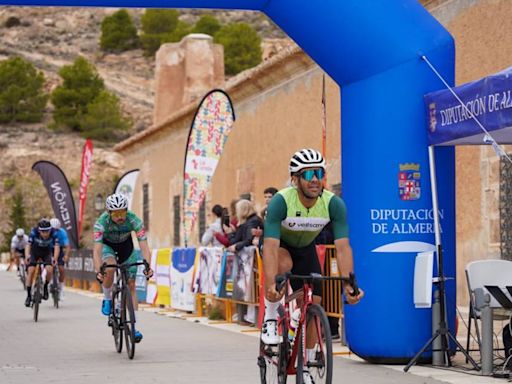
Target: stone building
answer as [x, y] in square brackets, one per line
[278, 110]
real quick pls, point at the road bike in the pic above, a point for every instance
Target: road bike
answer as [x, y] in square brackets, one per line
[290, 357]
[37, 289]
[122, 312]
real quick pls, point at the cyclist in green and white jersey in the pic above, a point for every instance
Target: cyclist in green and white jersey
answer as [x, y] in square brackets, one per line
[295, 216]
[113, 244]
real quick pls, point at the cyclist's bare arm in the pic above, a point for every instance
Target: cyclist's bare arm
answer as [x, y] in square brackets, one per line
[270, 267]
[56, 253]
[67, 252]
[97, 250]
[27, 251]
[346, 266]
[144, 249]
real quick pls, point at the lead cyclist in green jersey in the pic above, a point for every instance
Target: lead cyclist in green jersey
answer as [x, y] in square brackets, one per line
[295, 216]
[113, 245]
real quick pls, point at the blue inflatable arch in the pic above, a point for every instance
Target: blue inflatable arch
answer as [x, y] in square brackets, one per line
[372, 49]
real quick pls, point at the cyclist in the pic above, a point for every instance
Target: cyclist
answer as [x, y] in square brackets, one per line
[113, 244]
[295, 216]
[41, 241]
[18, 243]
[65, 250]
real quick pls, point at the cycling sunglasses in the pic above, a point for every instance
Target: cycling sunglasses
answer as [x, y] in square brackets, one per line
[309, 173]
[118, 214]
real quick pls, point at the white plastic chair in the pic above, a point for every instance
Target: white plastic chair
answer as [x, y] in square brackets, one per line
[479, 274]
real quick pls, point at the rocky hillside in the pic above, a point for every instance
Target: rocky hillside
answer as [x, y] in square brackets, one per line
[51, 37]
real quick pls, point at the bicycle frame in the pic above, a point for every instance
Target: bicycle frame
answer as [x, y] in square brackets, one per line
[304, 297]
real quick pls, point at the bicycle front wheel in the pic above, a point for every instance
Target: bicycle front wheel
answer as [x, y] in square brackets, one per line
[36, 297]
[128, 320]
[318, 361]
[116, 322]
[22, 274]
[273, 359]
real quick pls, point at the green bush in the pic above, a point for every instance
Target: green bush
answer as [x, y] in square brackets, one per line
[158, 21]
[22, 97]
[118, 33]
[104, 119]
[161, 26]
[242, 47]
[81, 85]
[16, 219]
[207, 24]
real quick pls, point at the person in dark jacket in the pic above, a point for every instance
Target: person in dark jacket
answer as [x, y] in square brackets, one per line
[247, 221]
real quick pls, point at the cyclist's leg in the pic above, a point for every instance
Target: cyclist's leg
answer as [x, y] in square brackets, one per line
[17, 261]
[30, 275]
[60, 266]
[108, 257]
[47, 261]
[269, 332]
[132, 273]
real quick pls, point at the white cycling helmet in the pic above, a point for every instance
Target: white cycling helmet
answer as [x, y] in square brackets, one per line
[55, 223]
[116, 202]
[306, 158]
[20, 232]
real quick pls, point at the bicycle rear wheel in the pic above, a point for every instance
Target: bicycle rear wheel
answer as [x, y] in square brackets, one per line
[273, 359]
[36, 296]
[128, 320]
[116, 322]
[320, 367]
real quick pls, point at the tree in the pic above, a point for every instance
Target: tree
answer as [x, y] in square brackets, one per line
[104, 119]
[207, 24]
[161, 26]
[242, 47]
[16, 219]
[81, 85]
[118, 33]
[22, 97]
[158, 21]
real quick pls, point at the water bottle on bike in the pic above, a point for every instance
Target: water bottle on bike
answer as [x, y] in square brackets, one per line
[294, 322]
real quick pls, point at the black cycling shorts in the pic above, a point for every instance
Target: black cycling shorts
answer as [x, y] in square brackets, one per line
[305, 261]
[42, 254]
[122, 250]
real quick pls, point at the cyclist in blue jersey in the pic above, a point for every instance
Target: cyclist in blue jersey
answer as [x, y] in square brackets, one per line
[65, 251]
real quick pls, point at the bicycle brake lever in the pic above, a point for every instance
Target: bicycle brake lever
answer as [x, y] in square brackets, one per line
[280, 282]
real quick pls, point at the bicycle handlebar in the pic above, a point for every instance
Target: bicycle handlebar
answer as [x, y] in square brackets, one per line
[351, 280]
[125, 266]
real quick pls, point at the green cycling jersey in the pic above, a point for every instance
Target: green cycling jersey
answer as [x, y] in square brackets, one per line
[289, 221]
[106, 229]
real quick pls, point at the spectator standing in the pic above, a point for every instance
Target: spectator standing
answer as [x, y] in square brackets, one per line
[215, 227]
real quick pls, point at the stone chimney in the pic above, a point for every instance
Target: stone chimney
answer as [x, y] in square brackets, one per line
[185, 72]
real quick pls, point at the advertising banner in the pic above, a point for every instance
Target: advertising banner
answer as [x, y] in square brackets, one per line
[227, 275]
[208, 134]
[210, 270]
[243, 289]
[84, 181]
[126, 185]
[163, 277]
[59, 191]
[182, 279]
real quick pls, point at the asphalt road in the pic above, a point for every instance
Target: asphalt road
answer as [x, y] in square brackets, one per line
[73, 344]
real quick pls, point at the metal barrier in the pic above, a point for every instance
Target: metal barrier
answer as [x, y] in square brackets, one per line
[80, 270]
[332, 300]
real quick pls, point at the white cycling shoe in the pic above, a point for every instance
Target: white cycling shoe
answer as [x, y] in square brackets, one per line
[269, 334]
[307, 379]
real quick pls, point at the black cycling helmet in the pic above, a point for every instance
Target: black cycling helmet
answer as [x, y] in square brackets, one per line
[44, 225]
